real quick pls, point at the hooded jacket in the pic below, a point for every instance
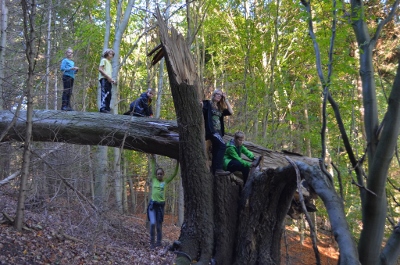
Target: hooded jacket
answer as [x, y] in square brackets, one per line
[233, 152]
[141, 106]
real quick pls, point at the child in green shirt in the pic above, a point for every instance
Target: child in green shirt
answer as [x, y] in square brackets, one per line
[155, 210]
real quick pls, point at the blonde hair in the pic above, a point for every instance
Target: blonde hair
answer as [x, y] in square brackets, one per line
[107, 52]
[221, 104]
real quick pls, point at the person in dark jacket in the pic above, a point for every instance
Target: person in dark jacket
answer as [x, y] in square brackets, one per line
[141, 107]
[233, 160]
[214, 111]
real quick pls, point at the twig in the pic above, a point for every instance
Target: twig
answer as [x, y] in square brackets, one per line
[67, 183]
[339, 179]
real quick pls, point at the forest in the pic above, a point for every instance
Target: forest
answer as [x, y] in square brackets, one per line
[315, 87]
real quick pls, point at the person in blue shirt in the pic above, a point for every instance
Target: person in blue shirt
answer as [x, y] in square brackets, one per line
[69, 70]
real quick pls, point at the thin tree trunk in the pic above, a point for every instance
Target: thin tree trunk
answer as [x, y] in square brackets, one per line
[118, 179]
[3, 43]
[124, 191]
[29, 13]
[101, 174]
[120, 26]
[50, 8]
[101, 178]
[55, 88]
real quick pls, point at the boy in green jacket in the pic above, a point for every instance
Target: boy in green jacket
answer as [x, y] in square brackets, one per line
[232, 158]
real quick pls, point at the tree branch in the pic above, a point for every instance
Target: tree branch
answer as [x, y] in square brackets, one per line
[334, 206]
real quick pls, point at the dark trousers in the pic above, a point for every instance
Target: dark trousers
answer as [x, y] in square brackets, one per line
[105, 94]
[218, 151]
[235, 165]
[68, 83]
[155, 212]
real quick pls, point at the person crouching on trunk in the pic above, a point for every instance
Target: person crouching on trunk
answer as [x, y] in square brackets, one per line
[141, 107]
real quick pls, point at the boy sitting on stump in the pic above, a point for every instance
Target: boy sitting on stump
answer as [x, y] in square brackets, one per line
[233, 160]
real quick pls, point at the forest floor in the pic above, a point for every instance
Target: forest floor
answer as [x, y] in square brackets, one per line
[54, 238]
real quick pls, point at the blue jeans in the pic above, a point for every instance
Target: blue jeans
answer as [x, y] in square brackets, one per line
[155, 212]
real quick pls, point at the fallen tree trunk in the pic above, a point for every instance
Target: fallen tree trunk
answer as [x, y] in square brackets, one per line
[148, 135]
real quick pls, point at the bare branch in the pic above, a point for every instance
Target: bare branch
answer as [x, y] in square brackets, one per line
[303, 206]
[384, 22]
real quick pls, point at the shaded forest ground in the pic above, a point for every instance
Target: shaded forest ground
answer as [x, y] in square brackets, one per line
[62, 234]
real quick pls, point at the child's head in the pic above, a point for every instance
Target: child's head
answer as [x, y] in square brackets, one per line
[150, 93]
[69, 52]
[160, 173]
[109, 53]
[239, 138]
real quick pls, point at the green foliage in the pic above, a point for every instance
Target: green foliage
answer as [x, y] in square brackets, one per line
[260, 53]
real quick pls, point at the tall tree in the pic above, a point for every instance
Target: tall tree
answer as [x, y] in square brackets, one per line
[3, 43]
[379, 153]
[29, 20]
[121, 22]
[48, 52]
[101, 174]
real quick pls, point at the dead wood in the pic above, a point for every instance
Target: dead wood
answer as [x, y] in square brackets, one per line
[148, 135]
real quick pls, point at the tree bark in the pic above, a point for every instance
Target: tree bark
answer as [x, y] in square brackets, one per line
[197, 230]
[3, 43]
[92, 128]
[264, 203]
[148, 135]
[29, 12]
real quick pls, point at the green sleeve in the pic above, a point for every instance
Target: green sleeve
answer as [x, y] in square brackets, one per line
[247, 153]
[231, 153]
[170, 178]
[153, 167]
